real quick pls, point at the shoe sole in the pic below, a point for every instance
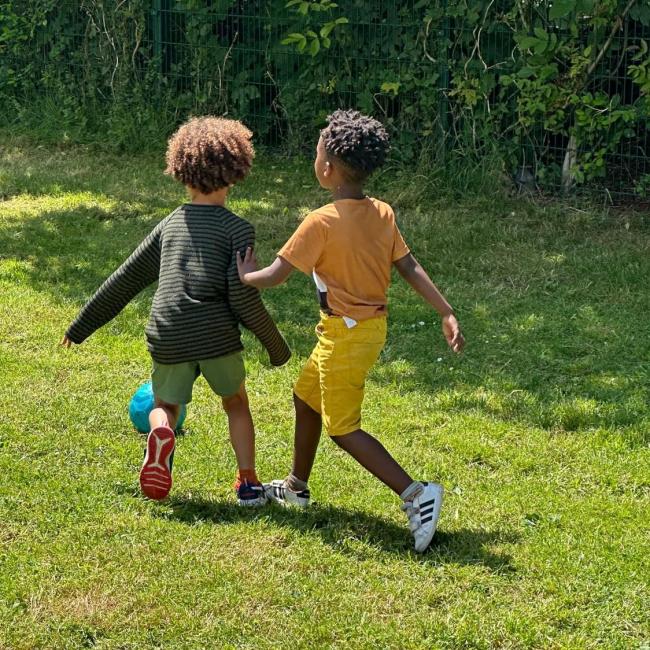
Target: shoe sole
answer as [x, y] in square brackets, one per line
[435, 516]
[155, 475]
[252, 503]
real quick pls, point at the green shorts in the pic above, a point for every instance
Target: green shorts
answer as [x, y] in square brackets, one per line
[172, 383]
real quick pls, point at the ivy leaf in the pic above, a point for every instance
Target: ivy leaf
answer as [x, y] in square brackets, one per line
[561, 8]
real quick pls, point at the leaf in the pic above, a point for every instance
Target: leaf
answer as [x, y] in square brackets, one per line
[326, 29]
[561, 8]
[526, 42]
[541, 33]
[342, 21]
[641, 12]
[303, 8]
[548, 72]
[390, 87]
[293, 38]
[525, 73]
[314, 47]
[643, 49]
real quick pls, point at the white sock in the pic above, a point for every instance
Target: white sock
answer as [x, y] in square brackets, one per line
[294, 483]
[411, 491]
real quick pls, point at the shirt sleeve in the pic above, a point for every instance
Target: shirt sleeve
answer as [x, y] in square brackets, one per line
[246, 302]
[305, 246]
[400, 249]
[139, 271]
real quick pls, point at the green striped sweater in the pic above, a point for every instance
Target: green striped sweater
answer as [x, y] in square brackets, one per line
[199, 301]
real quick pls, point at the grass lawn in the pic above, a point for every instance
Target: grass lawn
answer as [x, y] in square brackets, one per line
[539, 433]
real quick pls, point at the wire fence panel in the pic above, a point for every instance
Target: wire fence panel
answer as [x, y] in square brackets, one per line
[554, 94]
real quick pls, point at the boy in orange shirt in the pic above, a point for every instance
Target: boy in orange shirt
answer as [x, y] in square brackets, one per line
[349, 246]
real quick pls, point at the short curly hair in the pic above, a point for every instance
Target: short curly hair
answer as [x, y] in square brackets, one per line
[360, 142]
[209, 153]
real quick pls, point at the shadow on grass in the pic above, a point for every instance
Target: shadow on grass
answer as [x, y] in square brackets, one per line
[340, 527]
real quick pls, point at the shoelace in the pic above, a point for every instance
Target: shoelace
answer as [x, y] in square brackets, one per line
[413, 514]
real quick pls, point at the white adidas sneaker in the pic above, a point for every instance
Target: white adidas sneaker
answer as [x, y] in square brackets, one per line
[423, 512]
[276, 491]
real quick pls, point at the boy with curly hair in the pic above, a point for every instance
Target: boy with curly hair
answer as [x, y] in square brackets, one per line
[193, 328]
[349, 246]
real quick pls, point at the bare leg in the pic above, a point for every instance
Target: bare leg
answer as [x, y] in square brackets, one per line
[370, 453]
[164, 415]
[241, 428]
[306, 439]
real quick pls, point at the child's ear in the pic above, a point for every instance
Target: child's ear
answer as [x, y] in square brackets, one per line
[328, 169]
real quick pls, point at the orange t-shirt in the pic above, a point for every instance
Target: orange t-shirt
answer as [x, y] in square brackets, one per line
[350, 246]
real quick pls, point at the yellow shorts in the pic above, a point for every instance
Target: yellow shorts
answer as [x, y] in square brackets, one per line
[334, 377]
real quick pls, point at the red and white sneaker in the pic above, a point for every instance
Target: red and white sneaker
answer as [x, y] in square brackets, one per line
[156, 472]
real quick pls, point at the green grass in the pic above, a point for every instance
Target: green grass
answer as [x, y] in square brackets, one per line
[539, 432]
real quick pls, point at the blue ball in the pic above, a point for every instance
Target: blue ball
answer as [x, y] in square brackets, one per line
[142, 404]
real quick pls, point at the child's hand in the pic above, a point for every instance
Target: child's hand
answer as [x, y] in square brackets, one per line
[451, 330]
[246, 264]
[65, 342]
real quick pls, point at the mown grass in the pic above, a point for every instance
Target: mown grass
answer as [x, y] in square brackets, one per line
[539, 432]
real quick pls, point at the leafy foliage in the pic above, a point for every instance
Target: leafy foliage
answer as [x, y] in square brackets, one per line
[560, 89]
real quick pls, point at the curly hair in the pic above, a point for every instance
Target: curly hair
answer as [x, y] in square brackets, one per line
[358, 141]
[208, 153]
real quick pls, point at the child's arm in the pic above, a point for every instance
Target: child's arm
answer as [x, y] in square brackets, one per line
[270, 276]
[417, 277]
[246, 303]
[139, 271]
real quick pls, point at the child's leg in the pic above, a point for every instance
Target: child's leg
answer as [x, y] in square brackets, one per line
[156, 471]
[241, 429]
[164, 414]
[249, 490]
[306, 439]
[372, 455]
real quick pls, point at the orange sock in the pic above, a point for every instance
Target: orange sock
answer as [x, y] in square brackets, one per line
[246, 475]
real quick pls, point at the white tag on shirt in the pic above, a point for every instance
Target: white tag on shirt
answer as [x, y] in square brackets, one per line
[349, 322]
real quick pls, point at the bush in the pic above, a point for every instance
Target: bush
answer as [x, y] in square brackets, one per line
[558, 93]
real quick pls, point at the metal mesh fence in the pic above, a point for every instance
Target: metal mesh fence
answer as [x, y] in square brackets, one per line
[556, 102]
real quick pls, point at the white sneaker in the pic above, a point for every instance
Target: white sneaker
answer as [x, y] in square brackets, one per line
[276, 491]
[423, 512]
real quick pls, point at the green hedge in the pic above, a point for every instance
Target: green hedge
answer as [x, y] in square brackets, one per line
[556, 93]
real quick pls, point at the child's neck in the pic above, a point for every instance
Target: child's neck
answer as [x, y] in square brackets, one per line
[218, 197]
[348, 191]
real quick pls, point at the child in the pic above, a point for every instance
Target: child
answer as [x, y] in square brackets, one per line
[199, 303]
[349, 246]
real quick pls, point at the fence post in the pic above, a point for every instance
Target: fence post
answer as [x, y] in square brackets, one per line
[156, 19]
[443, 81]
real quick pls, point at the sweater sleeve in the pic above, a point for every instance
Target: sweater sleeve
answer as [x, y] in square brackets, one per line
[139, 271]
[246, 303]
